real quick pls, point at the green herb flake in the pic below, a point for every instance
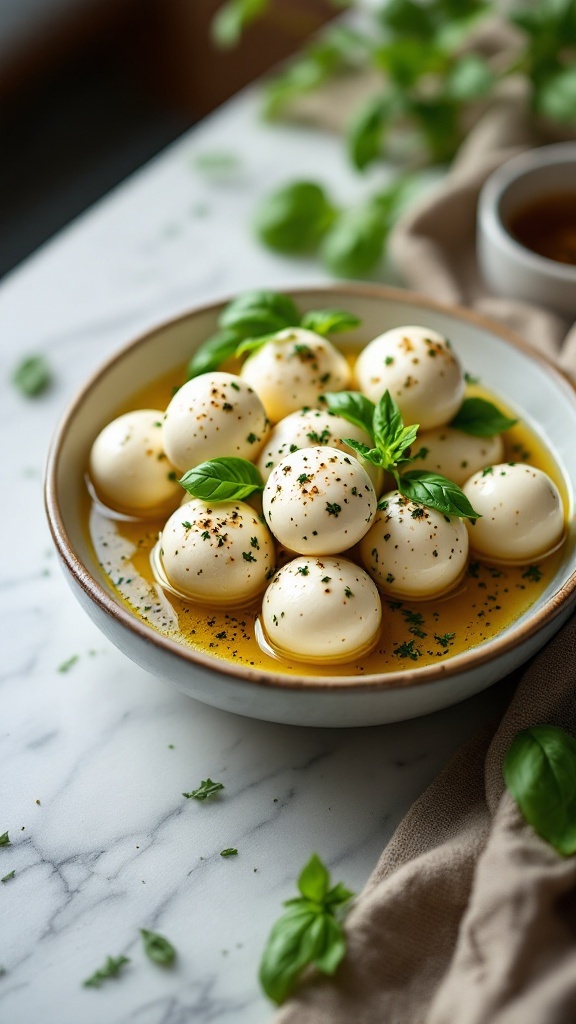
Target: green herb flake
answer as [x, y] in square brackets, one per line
[206, 790]
[303, 570]
[248, 556]
[110, 969]
[407, 650]
[65, 666]
[4, 839]
[157, 948]
[32, 376]
[533, 573]
[333, 509]
[8, 876]
[446, 640]
[230, 851]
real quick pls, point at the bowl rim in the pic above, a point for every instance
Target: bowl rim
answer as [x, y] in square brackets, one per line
[496, 187]
[474, 658]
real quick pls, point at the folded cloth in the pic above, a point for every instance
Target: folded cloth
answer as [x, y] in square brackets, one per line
[469, 917]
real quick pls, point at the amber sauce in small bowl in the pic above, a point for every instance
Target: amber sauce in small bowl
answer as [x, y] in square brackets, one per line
[547, 226]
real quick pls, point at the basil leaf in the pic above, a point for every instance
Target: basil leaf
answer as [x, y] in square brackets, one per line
[275, 303]
[294, 218]
[373, 455]
[307, 933]
[157, 948]
[480, 418]
[32, 376]
[436, 492]
[212, 353]
[469, 79]
[230, 20]
[329, 321]
[556, 95]
[314, 879]
[253, 322]
[250, 345]
[351, 406]
[390, 434]
[367, 129]
[337, 895]
[332, 944]
[289, 948]
[223, 479]
[354, 245]
[540, 772]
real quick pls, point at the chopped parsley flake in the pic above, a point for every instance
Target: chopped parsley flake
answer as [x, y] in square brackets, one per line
[251, 438]
[187, 525]
[445, 640]
[407, 650]
[254, 543]
[303, 570]
[65, 666]
[333, 509]
[532, 573]
[230, 851]
[4, 839]
[248, 556]
[8, 876]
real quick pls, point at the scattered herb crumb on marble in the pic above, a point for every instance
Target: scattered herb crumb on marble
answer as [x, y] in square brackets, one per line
[110, 969]
[205, 790]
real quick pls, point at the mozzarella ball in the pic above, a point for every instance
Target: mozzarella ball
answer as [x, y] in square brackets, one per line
[293, 369]
[319, 501]
[454, 454]
[129, 468]
[216, 553]
[308, 428]
[321, 609]
[521, 509]
[419, 369]
[213, 415]
[413, 551]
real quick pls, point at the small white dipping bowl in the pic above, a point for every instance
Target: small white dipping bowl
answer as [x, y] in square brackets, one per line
[542, 396]
[509, 268]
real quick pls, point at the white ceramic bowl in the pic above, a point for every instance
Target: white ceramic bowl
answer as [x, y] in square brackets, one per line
[531, 385]
[509, 268]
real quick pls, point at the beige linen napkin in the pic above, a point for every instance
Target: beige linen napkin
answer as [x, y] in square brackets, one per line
[469, 917]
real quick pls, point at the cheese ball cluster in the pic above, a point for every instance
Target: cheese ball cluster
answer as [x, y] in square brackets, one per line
[327, 543]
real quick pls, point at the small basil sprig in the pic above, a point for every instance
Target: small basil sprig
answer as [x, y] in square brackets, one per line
[540, 772]
[392, 442]
[480, 418]
[309, 932]
[250, 320]
[227, 478]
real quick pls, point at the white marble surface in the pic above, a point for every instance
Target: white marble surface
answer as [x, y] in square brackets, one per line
[93, 760]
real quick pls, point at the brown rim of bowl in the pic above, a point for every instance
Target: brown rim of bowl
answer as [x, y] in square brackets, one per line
[472, 659]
